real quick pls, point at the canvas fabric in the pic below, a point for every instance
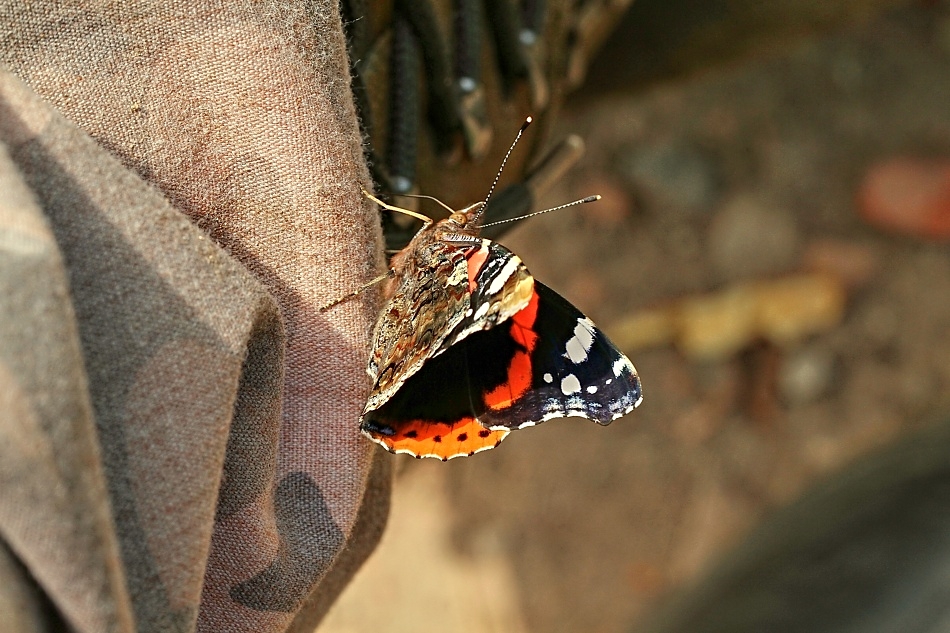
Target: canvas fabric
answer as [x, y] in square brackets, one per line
[178, 422]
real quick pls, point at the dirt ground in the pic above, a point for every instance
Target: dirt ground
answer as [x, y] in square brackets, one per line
[745, 173]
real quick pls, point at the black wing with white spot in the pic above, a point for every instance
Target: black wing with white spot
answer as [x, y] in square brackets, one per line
[575, 369]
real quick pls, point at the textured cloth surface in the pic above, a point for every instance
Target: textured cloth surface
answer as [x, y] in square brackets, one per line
[178, 422]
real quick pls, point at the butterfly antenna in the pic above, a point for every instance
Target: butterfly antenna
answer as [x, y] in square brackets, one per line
[491, 190]
[557, 208]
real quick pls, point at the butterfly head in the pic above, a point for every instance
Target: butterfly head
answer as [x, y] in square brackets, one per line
[467, 218]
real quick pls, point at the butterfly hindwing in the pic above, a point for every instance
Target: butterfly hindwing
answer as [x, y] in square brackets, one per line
[435, 413]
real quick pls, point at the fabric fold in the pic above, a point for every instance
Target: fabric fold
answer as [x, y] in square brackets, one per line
[183, 451]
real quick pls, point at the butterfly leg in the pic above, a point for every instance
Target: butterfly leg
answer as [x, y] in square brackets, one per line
[369, 284]
[426, 219]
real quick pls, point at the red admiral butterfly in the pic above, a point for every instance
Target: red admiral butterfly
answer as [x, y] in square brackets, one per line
[469, 347]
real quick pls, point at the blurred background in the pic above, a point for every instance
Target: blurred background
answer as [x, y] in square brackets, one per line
[771, 253]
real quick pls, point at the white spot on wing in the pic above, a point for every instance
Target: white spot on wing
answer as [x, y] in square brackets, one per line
[576, 351]
[570, 384]
[592, 389]
[482, 310]
[503, 275]
[579, 344]
[584, 332]
[621, 366]
[548, 378]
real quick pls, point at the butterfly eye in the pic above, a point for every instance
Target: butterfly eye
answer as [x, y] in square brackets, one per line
[459, 218]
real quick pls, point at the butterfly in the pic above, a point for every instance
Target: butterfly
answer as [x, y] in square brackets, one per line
[469, 346]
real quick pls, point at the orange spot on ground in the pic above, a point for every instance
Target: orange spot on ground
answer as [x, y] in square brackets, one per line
[908, 195]
[443, 441]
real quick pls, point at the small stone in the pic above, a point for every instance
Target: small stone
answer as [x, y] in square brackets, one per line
[879, 324]
[855, 264]
[805, 375]
[685, 241]
[751, 237]
[668, 175]
[909, 196]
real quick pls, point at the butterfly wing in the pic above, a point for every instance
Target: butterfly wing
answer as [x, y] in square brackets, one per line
[435, 412]
[566, 367]
[546, 361]
[448, 290]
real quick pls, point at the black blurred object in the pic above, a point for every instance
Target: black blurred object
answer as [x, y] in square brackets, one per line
[660, 40]
[866, 551]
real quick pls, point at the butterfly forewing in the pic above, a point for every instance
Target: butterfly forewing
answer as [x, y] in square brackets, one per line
[574, 369]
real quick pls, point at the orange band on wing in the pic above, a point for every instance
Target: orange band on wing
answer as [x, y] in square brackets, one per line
[519, 369]
[525, 319]
[475, 262]
[440, 440]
